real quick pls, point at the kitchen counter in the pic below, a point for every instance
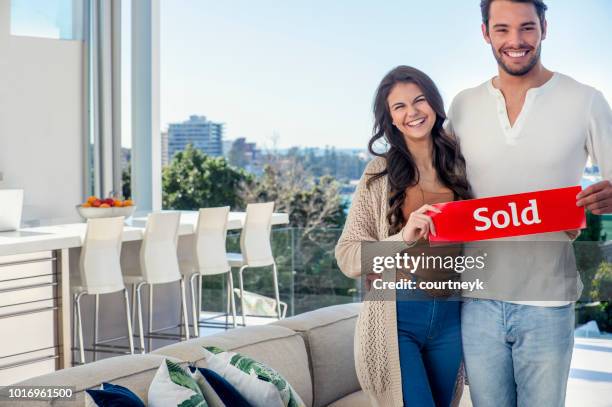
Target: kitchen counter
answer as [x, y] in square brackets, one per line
[71, 235]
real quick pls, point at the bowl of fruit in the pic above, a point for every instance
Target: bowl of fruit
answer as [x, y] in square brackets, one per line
[106, 208]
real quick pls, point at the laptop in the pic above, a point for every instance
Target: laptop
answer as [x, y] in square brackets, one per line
[11, 205]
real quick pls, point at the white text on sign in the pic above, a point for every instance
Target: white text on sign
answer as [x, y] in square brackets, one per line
[501, 219]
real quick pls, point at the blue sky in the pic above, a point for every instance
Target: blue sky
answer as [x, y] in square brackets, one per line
[307, 71]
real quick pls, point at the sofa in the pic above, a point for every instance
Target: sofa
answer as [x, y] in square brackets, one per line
[313, 351]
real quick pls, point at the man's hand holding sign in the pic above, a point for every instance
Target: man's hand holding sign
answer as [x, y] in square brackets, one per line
[597, 198]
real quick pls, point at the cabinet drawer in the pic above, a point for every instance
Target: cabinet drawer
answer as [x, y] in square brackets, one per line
[26, 366]
[27, 332]
[26, 290]
[33, 268]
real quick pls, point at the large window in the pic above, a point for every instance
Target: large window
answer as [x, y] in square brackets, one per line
[57, 19]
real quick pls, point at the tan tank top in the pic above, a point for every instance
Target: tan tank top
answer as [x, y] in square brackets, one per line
[415, 198]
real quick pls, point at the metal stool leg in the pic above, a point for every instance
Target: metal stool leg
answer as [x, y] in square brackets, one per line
[199, 291]
[140, 328]
[150, 339]
[184, 308]
[196, 322]
[276, 293]
[77, 304]
[134, 302]
[129, 320]
[180, 315]
[240, 281]
[232, 297]
[228, 293]
[74, 327]
[96, 326]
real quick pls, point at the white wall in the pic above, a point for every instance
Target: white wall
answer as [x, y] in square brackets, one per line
[41, 121]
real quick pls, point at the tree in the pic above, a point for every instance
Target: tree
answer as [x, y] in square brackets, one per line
[310, 202]
[237, 154]
[588, 251]
[194, 180]
[593, 231]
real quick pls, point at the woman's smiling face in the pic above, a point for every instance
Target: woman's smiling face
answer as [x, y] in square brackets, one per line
[410, 111]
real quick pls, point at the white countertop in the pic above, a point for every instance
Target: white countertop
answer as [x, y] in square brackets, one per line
[64, 236]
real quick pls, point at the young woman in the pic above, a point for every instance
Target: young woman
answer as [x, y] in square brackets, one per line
[406, 352]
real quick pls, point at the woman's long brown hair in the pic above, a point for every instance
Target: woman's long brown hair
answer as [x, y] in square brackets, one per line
[401, 168]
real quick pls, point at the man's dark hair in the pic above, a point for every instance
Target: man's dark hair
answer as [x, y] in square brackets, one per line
[485, 7]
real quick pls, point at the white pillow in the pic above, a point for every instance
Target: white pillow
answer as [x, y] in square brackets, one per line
[173, 386]
[257, 392]
[263, 373]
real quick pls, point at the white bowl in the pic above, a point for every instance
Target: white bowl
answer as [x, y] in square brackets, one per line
[93, 212]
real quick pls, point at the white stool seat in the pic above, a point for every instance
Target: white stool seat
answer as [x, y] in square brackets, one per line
[130, 279]
[77, 287]
[235, 259]
[187, 267]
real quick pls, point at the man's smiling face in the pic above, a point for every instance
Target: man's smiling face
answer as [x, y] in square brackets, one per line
[515, 34]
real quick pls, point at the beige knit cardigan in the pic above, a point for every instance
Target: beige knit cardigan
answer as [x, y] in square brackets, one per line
[376, 348]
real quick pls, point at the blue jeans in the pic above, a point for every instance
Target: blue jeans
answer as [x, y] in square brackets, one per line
[429, 338]
[517, 355]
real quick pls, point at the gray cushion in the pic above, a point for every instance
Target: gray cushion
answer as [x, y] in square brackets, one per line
[357, 399]
[278, 347]
[329, 333]
[132, 371]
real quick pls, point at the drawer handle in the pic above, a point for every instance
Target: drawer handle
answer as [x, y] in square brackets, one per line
[27, 287]
[15, 263]
[28, 362]
[28, 312]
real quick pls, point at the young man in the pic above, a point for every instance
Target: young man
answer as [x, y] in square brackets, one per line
[527, 129]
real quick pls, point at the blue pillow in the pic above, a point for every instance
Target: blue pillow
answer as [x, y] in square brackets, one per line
[224, 389]
[112, 395]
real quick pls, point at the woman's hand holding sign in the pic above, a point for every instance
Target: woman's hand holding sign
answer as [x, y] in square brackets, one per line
[597, 198]
[419, 224]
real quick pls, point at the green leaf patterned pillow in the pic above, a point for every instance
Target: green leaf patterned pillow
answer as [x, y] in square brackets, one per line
[253, 368]
[173, 386]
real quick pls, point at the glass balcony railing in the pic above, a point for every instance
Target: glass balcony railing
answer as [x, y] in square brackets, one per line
[308, 275]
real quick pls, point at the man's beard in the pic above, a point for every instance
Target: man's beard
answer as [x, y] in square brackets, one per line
[522, 70]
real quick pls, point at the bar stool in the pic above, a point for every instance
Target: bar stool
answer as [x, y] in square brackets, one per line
[100, 273]
[256, 248]
[210, 258]
[158, 265]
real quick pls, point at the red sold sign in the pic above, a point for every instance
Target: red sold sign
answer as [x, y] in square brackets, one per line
[553, 210]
